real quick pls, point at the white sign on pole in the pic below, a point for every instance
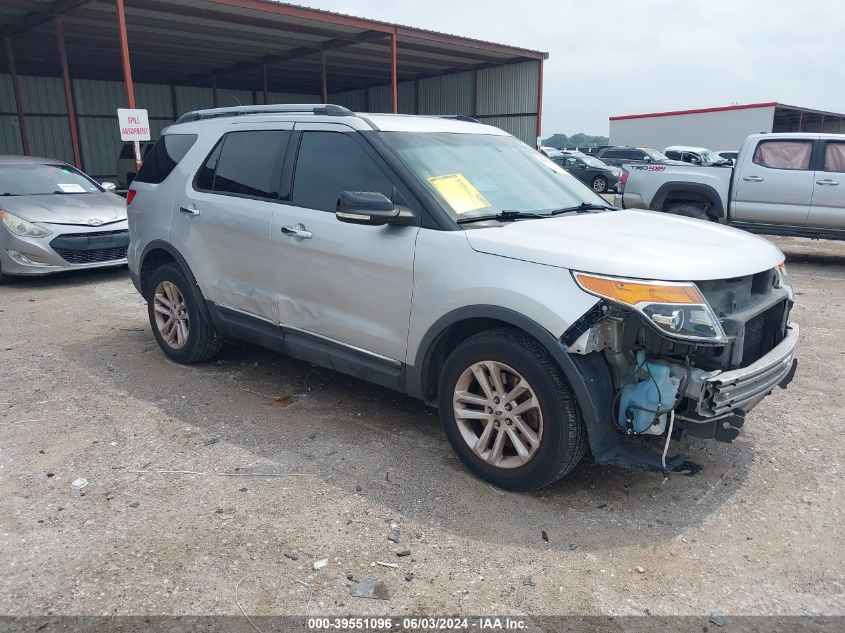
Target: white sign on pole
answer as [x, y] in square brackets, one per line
[134, 124]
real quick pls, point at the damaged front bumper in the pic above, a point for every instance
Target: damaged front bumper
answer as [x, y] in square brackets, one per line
[720, 393]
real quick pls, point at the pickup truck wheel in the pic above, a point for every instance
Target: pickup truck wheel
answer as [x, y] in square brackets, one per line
[599, 184]
[690, 211]
[508, 412]
[179, 326]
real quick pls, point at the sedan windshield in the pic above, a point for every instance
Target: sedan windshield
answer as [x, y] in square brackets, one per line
[655, 155]
[37, 179]
[483, 175]
[592, 162]
[711, 157]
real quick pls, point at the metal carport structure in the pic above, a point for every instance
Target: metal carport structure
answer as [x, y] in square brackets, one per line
[72, 63]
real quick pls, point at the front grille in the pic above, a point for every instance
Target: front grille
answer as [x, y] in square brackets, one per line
[762, 333]
[97, 233]
[92, 256]
[91, 248]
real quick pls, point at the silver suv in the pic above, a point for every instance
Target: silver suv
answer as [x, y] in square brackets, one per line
[446, 259]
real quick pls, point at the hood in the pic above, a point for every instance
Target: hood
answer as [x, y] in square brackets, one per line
[638, 244]
[69, 208]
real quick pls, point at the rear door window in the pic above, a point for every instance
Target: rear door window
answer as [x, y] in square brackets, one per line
[783, 154]
[246, 164]
[164, 156]
[329, 163]
[834, 157]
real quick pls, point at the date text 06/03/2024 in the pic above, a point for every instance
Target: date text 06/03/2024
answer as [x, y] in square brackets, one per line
[482, 623]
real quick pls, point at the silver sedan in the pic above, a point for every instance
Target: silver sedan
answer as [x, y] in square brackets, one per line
[55, 218]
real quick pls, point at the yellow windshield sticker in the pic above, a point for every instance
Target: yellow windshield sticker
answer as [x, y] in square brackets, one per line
[459, 193]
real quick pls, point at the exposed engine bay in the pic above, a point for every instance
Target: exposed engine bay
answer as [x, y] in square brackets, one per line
[690, 367]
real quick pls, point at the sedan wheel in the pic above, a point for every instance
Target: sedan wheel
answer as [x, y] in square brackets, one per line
[498, 414]
[171, 315]
[599, 185]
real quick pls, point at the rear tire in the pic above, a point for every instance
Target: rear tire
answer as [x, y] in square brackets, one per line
[690, 211]
[534, 447]
[599, 184]
[178, 323]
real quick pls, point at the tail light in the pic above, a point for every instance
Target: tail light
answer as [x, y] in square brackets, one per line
[130, 196]
[623, 178]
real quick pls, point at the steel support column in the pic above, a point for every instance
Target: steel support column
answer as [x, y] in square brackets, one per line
[71, 110]
[124, 54]
[539, 100]
[16, 88]
[323, 81]
[127, 70]
[265, 90]
[394, 81]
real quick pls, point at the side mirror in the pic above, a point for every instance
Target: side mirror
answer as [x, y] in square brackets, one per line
[694, 160]
[373, 209]
[108, 186]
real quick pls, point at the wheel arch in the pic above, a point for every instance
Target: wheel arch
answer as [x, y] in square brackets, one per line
[688, 192]
[589, 376]
[159, 252]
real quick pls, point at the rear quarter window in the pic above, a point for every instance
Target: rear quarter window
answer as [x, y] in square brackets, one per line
[164, 156]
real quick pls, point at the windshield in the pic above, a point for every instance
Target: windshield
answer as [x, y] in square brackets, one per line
[655, 155]
[33, 179]
[592, 162]
[481, 174]
[711, 157]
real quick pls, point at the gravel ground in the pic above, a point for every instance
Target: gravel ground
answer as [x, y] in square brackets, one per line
[180, 515]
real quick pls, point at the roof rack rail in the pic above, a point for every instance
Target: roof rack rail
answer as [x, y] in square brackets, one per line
[328, 109]
[458, 117]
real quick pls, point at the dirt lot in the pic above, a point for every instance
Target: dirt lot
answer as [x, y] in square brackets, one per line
[85, 392]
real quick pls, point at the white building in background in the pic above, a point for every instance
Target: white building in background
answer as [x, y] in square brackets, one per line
[723, 128]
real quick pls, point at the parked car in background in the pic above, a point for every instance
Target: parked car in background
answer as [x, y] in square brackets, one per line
[551, 152]
[782, 184]
[617, 156]
[54, 218]
[728, 155]
[448, 260]
[590, 170]
[126, 162]
[696, 156]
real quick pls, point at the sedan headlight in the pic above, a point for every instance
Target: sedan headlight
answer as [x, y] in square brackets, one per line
[21, 227]
[677, 309]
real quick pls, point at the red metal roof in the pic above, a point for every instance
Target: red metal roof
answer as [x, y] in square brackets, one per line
[745, 106]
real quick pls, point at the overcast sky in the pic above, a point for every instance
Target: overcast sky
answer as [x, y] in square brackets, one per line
[634, 56]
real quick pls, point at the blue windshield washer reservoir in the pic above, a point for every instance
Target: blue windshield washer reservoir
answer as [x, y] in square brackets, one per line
[655, 391]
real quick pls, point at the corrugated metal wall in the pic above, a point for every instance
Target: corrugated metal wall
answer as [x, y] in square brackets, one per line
[505, 96]
[724, 130]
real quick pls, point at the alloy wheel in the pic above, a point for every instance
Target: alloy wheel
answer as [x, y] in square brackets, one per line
[599, 185]
[171, 315]
[498, 414]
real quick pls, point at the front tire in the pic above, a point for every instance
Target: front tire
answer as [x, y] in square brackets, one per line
[599, 184]
[508, 411]
[180, 327]
[690, 211]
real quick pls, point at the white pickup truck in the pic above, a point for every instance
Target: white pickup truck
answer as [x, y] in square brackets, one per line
[782, 184]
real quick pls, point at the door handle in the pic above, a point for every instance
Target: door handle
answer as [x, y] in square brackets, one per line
[753, 179]
[297, 232]
[827, 181]
[189, 211]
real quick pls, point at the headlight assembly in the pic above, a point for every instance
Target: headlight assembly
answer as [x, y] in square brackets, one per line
[21, 227]
[783, 280]
[677, 309]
